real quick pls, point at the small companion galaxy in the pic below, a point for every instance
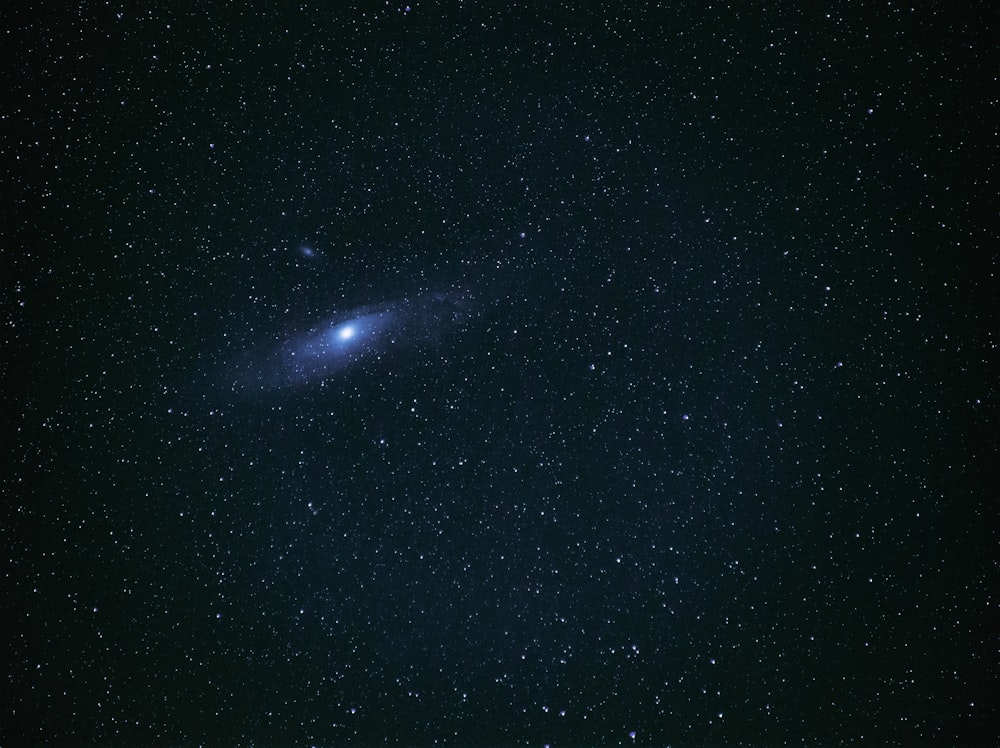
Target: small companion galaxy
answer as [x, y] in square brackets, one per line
[500, 374]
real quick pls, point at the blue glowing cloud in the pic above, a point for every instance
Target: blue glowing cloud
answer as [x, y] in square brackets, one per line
[344, 340]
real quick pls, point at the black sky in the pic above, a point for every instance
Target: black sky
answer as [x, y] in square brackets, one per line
[686, 436]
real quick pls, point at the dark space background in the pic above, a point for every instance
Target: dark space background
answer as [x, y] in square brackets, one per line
[712, 461]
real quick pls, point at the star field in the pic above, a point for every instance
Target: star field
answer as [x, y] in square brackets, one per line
[536, 375]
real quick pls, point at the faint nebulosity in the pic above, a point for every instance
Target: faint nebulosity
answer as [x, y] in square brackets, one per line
[372, 332]
[500, 374]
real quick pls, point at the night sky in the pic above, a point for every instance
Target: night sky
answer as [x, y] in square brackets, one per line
[499, 375]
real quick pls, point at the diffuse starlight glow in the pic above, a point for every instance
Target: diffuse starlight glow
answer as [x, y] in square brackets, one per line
[346, 339]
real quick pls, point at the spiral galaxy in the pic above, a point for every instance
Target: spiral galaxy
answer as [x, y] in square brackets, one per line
[346, 339]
